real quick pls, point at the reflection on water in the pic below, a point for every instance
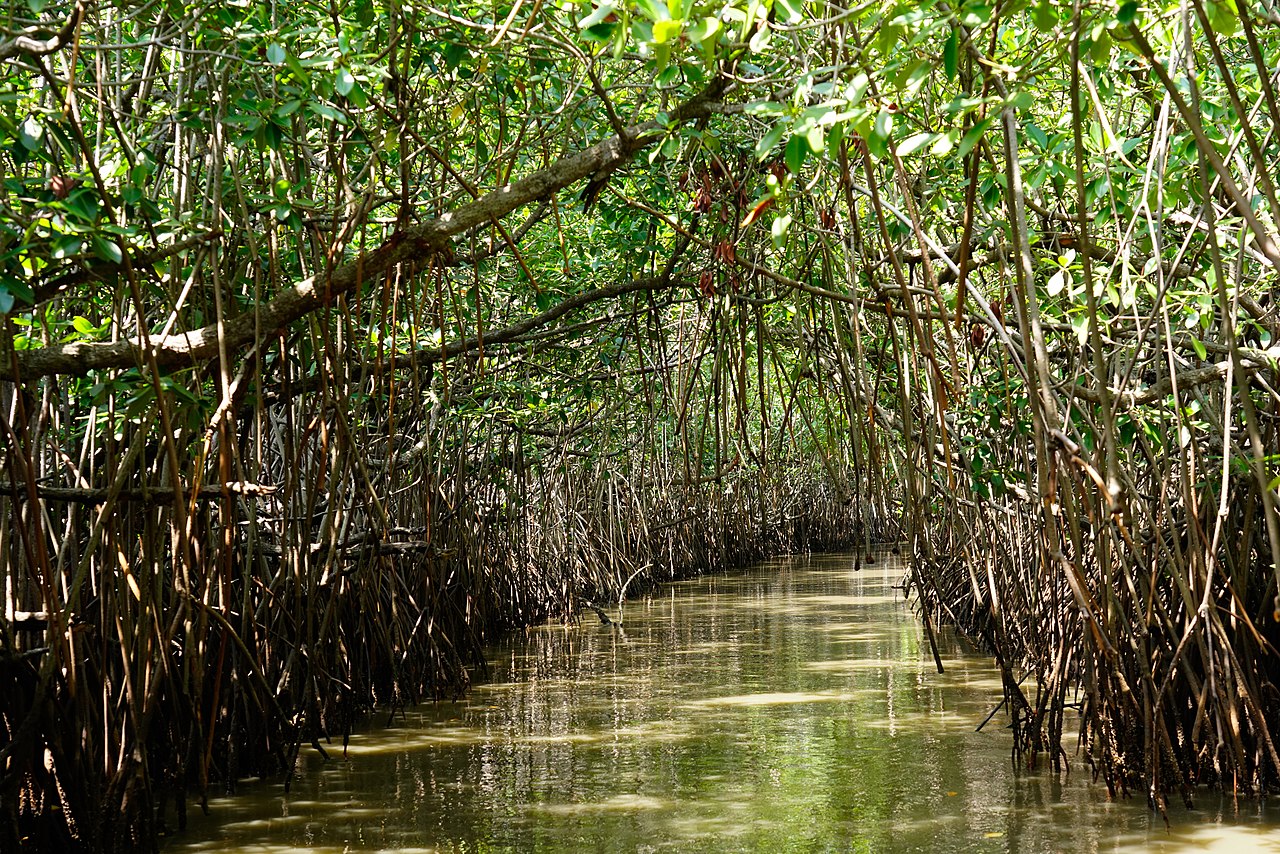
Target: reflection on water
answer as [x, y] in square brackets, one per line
[790, 708]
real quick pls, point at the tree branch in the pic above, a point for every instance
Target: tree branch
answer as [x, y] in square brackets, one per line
[26, 45]
[414, 244]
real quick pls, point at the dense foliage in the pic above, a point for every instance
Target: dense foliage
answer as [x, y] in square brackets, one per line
[337, 338]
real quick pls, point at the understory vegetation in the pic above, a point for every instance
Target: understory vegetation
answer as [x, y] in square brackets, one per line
[338, 338]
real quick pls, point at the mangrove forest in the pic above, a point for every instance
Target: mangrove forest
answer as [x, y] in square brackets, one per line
[339, 341]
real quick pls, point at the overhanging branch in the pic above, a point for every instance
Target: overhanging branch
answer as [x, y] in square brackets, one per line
[418, 243]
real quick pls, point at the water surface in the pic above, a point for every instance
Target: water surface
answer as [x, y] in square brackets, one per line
[793, 707]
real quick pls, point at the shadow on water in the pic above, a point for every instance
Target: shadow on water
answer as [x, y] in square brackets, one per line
[789, 708]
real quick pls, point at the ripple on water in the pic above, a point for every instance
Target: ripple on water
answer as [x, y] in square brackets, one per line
[790, 708]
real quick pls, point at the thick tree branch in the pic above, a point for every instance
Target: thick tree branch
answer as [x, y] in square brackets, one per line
[414, 244]
[1252, 361]
[26, 44]
[152, 495]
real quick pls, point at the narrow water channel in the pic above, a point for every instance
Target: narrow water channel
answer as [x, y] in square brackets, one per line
[793, 707]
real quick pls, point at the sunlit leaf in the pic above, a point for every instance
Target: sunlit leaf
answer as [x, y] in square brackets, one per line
[770, 140]
[107, 250]
[31, 134]
[915, 142]
[778, 231]
[344, 82]
[666, 31]
[601, 12]
[755, 212]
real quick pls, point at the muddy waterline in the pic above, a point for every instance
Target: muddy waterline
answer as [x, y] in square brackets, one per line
[792, 707]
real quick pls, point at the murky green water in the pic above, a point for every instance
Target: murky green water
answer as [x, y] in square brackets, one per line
[791, 708]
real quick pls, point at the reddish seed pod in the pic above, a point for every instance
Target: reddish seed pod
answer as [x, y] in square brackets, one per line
[707, 283]
[725, 254]
[62, 186]
[701, 202]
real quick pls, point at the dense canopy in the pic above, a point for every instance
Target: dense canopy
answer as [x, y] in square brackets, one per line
[339, 337]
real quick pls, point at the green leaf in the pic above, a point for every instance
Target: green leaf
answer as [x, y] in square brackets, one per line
[85, 205]
[1057, 283]
[767, 142]
[970, 139]
[763, 108]
[654, 10]
[1080, 326]
[344, 82]
[666, 31]
[835, 136]
[83, 326]
[19, 288]
[888, 38]
[975, 15]
[601, 12]
[703, 30]
[272, 135]
[276, 53]
[797, 148]
[661, 55]
[600, 33]
[1128, 12]
[915, 142]
[31, 134]
[951, 54]
[1045, 15]
[107, 250]
[1100, 50]
[884, 124]
[857, 88]
[815, 138]
[1223, 16]
[760, 41]
[1198, 346]
[794, 10]
[1022, 100]
[778, 231]
[325, 111]
[877, 145]
[299, 71]
[66, 246]
[1036, 135]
